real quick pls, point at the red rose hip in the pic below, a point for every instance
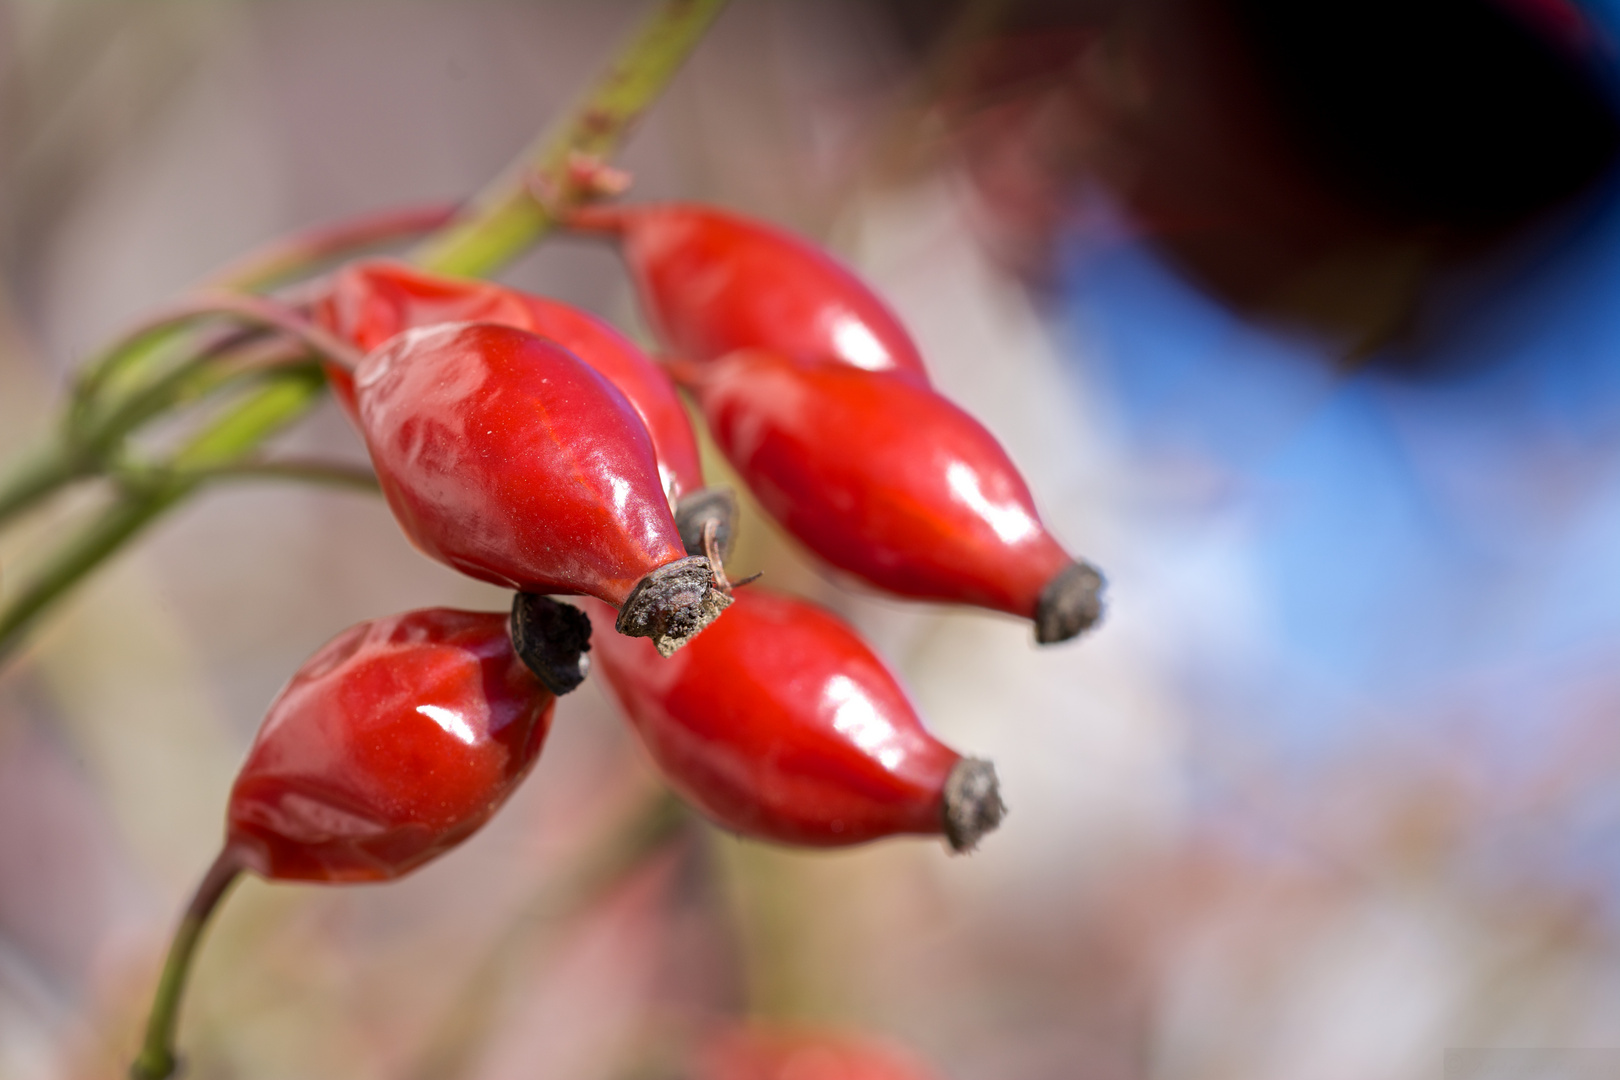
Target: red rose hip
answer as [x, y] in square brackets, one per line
[885, 478]
[779, 723]
[506, 457]
[714, 282]
[370, 301]
[389, 746]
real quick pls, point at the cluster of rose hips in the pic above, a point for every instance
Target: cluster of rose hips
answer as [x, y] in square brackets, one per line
[531, 445]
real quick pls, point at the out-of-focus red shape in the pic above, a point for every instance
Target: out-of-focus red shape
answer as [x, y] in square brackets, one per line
[781, 724]
[755, 1053]
[368, 302]
[506, 457]
[714, 281]
[388, 747]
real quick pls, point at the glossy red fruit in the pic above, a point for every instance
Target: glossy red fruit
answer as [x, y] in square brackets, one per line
[780, 724]
[714, 282]
[504, 456]
[885, 478]
[759, 1053]
[369, 302]
[388, 747]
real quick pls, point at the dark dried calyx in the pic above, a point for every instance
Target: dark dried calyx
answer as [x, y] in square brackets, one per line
[552, 639]
[674, 602]
[1070, 604]
[973, 803]
[696, 508]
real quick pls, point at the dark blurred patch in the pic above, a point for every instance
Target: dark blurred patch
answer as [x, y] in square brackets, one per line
[1464, 113]
[1323, 165]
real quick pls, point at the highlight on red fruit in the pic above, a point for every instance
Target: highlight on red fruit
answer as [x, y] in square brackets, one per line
[885, 478]
[388, 747]
[714, 281]
[506, 457]
[369, 301]
[767, 1053]
[780, 723]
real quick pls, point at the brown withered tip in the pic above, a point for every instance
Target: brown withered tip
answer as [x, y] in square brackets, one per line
[673, 603]
[973, 805]
[696, 508]
[552, 640]
[1070, 604]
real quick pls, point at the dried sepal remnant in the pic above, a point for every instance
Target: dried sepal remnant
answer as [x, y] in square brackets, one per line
[1071, 603]
[973, 805]
[552, 639]
[673, 604]
[696, 509]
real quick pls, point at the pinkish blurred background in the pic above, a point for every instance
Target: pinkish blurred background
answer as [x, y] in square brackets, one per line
[1301, 321]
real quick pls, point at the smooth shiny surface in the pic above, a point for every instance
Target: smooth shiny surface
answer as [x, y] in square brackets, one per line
[508, 458]
[389, 746]
[370, 301]
[779, 723]
[714, 282]
[882, 477]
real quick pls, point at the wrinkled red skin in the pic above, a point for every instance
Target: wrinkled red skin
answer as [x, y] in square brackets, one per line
[388, 747]
[714, 282]
[371, 301]
[780, 724]
[882, 477]
[506, 457]
[785, 1054]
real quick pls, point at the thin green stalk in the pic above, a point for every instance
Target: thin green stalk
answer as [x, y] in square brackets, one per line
[47, 469]
[324, 473]
[87, 442]
[255, 312]
[285, 396]
[506, 217]
[157, 1061]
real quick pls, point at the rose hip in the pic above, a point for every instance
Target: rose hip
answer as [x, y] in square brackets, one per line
[780, 724]
[506, 457]
[714, 282]
[370, 301]
[388, 747]
[885, 478]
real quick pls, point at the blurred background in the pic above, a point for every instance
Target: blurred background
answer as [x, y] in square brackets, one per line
[1303, 323]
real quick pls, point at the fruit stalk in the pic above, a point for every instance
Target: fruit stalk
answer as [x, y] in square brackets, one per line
[157, 1061]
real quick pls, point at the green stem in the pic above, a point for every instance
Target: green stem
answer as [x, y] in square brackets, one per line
[84, 449]
[505, 218]
[50, 468]
[324, 473]
[156, 1061]
[284, 397]
[254, 311]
